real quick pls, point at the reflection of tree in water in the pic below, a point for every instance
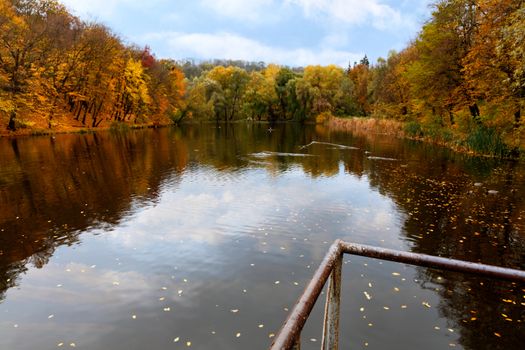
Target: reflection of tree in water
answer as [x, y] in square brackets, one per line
[448, 214]
[55, 188]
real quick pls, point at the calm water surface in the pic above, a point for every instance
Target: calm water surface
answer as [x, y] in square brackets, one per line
[205, 237]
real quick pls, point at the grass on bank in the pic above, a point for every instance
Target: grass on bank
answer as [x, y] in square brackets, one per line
[476, 139]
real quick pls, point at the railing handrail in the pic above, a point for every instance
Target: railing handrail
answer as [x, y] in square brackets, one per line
[288, 336]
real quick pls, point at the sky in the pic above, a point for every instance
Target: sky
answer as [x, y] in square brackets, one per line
[286, 32]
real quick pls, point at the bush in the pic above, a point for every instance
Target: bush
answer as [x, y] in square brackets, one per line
[487, 141]
[413, 129]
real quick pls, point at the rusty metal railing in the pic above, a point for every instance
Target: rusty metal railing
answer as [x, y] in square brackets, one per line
[289, 336]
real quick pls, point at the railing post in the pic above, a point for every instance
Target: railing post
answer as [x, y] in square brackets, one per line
[331, 311]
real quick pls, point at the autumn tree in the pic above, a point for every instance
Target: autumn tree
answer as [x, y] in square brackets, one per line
[493, 67]
[232, 82]
[436, 76]
[360, 76]
[23, 29]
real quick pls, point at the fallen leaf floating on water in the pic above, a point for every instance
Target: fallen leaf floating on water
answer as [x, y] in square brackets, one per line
[271, 335]
[396, 274]
[60, 345]
[313, 340]
[426, 304]
[50, 316]
[367, 295]
[277, 282]
[234, 311]
[167, 309]
[134, 317]
[176, 340]
[73, 345]
[188, 344]
[261, 326]
[237, 335]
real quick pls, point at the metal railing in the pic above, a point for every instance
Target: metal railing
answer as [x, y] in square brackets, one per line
[289, 337]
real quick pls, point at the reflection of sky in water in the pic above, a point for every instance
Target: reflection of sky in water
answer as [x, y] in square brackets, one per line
[207, 206]
[223, 253]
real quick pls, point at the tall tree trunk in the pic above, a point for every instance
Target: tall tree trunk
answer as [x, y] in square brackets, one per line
[475, 113]
[11, 126]
[517, 118]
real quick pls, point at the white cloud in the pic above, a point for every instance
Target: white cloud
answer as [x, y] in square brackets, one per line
[232, 46]
[380, 15]
[105, 9]
[240, 9]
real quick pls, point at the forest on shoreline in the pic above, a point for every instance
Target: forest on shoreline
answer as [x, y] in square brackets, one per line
[461, 81]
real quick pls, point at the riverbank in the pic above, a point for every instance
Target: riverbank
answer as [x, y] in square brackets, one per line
[482, 141]
[68, 125]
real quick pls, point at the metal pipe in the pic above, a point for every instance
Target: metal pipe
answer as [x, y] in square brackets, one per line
[433, 262]
[293, 325]
[331, 312]
[289, 335]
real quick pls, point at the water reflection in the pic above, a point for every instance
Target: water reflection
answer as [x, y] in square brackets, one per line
[136, 240]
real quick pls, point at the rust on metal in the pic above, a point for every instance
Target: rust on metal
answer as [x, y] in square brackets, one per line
[434, 262]
[297, 344]
[294, 323]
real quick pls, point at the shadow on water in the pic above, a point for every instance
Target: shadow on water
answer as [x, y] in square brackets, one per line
[53, 190]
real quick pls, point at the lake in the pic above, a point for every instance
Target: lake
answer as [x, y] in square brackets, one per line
[203, 237]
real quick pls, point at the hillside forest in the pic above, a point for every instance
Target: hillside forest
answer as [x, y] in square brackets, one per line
[460, 81]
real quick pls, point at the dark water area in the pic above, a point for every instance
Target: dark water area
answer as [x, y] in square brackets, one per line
[203, 237]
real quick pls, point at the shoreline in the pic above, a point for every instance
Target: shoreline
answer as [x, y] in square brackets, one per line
[28, 132]
[368, 125]
[361, 126]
